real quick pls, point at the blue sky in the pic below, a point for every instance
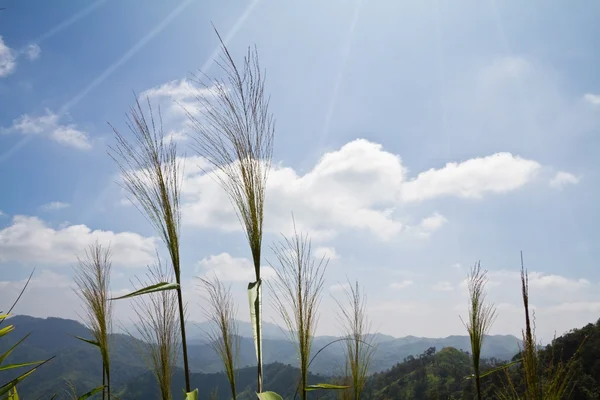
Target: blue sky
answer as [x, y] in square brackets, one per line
[413, 139]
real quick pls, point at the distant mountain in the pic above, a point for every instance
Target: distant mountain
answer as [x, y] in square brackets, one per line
[79, 362]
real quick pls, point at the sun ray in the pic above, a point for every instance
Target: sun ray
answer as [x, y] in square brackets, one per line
[101, 197]
[106, 73]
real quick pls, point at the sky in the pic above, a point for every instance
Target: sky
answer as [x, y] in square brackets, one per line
[413, 139]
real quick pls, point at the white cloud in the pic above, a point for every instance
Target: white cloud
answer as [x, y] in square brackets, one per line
[8, 62]
[429, 225]
[360, 186]
[539, 281]
[177, 136]
[177, 97]
[401, 285]
[498, 173]
[228, 268]
[561, 179]
[30, 240]
[55, 205]
[443, 287]
[592, 99]
[33, 52]
[71, 137]
[327, 252]
[2, 214]
[48, 125]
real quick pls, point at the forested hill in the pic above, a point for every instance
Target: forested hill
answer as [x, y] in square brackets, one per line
[444, 374]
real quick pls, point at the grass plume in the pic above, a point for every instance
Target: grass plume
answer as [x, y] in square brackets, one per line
[234, 133]
[157, 325]
[481, 318]
[297, 291]
[359, 348]
[224, 336]
[152, 176]
[92, 277]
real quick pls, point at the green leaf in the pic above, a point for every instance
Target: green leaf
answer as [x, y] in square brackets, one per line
[93, 342]
[150, 289]
[12, 394]
[8, 386]
[269, 396]
[3, 356]
[91, 393]
[13, 366]
[325, 386]
[193, 395]
[6, 330]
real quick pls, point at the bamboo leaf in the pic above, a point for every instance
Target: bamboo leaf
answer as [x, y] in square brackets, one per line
[91, 393]
[3, 356]
[269, 396]
[92, 342]
[193, 395]
[150, 289]
[13, 366]
[325, 386]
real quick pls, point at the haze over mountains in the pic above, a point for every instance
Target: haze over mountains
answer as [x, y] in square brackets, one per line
[54, 336]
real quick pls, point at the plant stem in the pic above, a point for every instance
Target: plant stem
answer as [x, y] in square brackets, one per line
[183, 339]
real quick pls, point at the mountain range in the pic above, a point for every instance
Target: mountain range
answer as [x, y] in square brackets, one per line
[79, 363]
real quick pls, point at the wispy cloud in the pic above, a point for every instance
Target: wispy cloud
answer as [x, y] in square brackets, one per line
[592, 99]
[562, 179]
[48, 125]
[55, 205]
[443, 287]
[401, 285]
[33, 52]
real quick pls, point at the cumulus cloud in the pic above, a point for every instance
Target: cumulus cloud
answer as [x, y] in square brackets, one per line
[33, 52]
[8, 61]
[55, 205]
[48, 125]
[360, 186]
[228, 268]
[443, 287]
[498, 173]
[401, 285]
[561, 179]
[31, 240]
[327, 252]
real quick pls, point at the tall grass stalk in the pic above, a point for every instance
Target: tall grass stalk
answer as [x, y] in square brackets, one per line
[553, 381]
[92, 277]
[152, 176]
[297, 293]
[234, 132]
[224, 335]
[481, 318]
[157, 317]
[359, 348]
